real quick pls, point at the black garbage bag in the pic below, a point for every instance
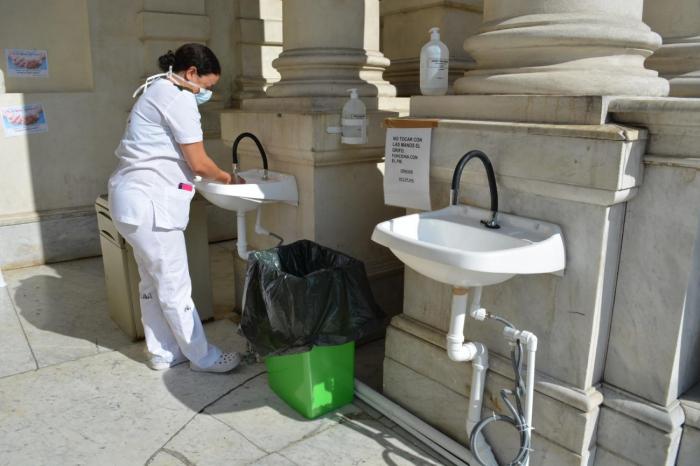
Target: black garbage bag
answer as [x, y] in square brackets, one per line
[303, 295]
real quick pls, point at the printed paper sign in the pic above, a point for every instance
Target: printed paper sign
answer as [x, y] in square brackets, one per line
[23, 119]
[27, 63]
[407, 168]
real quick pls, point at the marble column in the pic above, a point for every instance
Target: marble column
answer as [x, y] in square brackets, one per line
[405, 28]
[330, 46]
[562, 47]
[258, 39]
[678, 59]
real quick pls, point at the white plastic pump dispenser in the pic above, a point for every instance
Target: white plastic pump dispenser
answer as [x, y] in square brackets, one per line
[434, 65]
[354, 120]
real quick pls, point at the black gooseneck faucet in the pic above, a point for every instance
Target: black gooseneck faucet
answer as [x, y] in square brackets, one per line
[457, 176]
[260, 149]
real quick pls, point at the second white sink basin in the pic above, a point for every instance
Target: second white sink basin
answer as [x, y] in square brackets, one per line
[452, 246]
[278, 187]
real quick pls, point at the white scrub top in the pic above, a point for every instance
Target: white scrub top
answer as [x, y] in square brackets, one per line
[151, 164]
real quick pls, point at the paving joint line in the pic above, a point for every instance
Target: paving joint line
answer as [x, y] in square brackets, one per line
[21, 326]
[259, 447]
[152, 457]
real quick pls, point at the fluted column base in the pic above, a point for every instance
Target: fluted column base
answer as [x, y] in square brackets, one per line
[563, 54]
[678, 60]
[330, 72]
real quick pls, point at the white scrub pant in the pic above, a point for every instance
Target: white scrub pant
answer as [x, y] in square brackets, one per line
[170, 320]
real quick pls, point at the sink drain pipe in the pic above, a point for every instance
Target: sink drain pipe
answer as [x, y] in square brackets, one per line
[242, 233]
[520, 417]
[477, 353]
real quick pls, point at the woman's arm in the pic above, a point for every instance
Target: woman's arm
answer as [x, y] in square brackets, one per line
[201, 164]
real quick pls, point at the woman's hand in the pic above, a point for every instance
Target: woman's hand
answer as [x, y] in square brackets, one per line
[202, 165]
[237, 179]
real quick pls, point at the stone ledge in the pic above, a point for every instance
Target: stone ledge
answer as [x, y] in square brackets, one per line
[593, 161]
[306, 105]
[425, 397]
[546, 385]
[53, 236]
[563, 110]
[638, 431]
[688, 162]
[609, 132]
[673, 123]
[35, 216]
[666, 418]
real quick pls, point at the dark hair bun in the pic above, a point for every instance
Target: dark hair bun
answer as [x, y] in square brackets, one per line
[197, 55]
[166, 61]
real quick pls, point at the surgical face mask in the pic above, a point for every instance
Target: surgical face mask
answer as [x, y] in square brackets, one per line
[201, 97]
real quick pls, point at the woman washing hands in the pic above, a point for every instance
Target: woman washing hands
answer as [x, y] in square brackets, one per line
[161, 152]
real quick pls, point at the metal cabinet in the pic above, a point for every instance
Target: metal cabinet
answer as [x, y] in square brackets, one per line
[122, 276]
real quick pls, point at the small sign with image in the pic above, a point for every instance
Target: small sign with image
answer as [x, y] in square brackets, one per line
[23, 119]
[27, 63]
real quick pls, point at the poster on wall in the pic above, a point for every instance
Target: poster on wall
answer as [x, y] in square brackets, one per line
[27, 63]
[23, 119]
[407, 163]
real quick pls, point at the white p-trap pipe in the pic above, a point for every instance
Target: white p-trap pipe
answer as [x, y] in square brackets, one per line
[475, 352]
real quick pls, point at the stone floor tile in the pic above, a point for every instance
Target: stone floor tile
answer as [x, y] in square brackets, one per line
[105, 409]
[206, 441]
[364, 441]
[63, 309]
[264, 419]
[16, 356]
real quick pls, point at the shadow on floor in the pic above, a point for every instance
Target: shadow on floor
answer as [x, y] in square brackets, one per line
[63, 310]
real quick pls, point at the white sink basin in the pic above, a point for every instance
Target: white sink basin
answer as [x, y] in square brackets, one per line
[279, 187]
[452, 246]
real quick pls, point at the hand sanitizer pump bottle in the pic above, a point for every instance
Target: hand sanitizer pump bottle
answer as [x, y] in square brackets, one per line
[434, 65]
[354, 120]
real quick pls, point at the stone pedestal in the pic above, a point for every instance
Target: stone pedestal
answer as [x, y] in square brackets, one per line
[654, 335]
[586, 47]
[340, 187]
[258, 38]
[329, 47]
[632, 431]
[689, 450]
[405, 26]
[678, 59]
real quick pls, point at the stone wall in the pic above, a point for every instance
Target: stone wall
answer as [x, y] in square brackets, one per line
[99, 52]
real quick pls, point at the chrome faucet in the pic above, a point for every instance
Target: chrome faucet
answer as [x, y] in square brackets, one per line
[260, 149]
[457, 176]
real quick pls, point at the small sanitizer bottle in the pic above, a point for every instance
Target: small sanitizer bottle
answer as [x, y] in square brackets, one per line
[434, 65]
[354, 120]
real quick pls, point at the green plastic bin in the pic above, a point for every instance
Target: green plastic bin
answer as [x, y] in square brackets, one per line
[314, 382]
